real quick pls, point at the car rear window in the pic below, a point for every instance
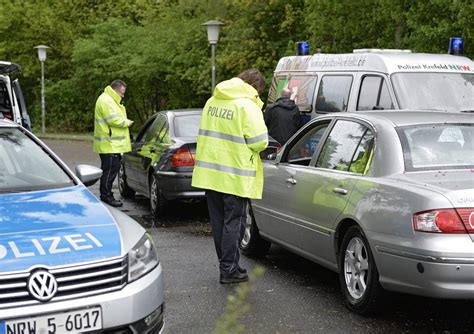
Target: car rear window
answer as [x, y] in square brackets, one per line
[187, 125]
[446, 146]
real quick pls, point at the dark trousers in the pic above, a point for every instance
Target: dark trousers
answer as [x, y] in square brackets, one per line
[228, 214]
[110, 165]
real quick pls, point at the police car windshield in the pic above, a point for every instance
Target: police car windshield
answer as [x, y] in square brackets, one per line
[434, 91]
[25, 166]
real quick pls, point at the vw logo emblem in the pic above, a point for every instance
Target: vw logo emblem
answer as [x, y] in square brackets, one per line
[42, 285]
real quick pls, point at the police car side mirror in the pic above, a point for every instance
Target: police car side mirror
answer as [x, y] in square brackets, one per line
[88, 175]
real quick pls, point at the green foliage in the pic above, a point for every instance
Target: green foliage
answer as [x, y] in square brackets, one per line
[160, 48]
[237, 305]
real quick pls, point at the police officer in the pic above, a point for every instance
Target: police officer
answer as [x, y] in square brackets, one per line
[111, 136]
[232, 132]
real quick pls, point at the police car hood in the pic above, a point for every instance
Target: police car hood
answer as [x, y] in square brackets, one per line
[55, 228]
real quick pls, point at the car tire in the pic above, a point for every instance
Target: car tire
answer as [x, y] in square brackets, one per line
[124, 189]
[358, 274]
[157, 201]
[252, 243]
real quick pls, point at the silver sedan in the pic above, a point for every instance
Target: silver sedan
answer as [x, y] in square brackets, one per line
[386, 199]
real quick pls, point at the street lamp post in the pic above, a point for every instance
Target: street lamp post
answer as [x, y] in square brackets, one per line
[42, 58]
[213, 27]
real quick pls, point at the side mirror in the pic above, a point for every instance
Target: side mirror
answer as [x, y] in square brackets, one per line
[88, 175]
[270, 153]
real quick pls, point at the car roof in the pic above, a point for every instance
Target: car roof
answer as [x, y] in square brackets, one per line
[399, 118]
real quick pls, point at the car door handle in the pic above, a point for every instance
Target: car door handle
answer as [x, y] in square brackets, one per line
[340, 191]
[291, 181]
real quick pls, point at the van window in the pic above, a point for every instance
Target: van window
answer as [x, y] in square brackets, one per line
[333, 93]
[301, 86]
[374, 94]
[437, 91]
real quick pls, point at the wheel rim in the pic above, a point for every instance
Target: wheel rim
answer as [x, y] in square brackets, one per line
[153, 195]
[121, 179]
[247, 231]
[356, 268]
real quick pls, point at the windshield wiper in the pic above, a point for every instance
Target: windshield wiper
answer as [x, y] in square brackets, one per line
[472, 110]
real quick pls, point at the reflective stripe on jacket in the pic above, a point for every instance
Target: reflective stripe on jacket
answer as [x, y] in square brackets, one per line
[111, 133]
[232, 132]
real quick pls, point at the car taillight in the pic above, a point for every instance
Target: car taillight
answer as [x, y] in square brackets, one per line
[467, 217]
[182, 157]
[439, 221]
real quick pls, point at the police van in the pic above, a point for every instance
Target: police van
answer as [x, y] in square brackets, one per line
[375, 79]
[12, 103]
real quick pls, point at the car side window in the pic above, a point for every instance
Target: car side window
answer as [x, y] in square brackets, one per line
[144, 130]
[333, 93]
[347, 148]
[374, 94]
[156, 129]
[303, 150]
[163, 136]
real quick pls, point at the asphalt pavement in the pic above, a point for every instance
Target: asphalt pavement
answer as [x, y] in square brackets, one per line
[293, 296]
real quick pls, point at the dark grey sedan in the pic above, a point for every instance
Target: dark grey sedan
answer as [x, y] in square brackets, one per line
[161, 162]
[386, 199]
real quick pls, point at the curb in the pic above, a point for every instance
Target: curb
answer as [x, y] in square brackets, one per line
[74, 137]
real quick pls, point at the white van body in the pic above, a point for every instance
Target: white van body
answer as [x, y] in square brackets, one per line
[375, 79]
[12, 103]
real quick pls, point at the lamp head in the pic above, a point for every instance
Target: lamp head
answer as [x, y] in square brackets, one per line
[213, 27]
[41, 51]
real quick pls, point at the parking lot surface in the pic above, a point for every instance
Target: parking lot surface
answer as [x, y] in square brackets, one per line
[294, 295]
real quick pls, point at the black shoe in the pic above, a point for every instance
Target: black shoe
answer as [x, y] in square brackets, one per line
[241, 270]
[236, 277]
[112, 202]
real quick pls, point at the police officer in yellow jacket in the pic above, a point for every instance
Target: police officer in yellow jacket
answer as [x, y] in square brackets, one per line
[232, 132]
[111, 136]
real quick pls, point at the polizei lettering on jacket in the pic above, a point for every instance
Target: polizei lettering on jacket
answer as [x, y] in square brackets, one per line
[221, 113]
[50, 245]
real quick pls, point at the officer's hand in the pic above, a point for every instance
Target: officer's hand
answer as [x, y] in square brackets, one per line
[130, 123]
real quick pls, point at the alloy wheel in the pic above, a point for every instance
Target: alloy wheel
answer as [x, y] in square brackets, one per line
[356, 268]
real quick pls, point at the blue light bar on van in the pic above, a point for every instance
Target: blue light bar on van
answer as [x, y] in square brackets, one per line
[302, 48]
[456, 46]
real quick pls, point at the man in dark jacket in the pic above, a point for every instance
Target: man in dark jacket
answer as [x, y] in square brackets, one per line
[282, 117]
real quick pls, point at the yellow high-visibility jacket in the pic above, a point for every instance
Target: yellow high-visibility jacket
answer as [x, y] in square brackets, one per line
[111, 133]
[232, 132]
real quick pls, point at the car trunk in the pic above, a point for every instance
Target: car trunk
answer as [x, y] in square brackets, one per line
[456, 185]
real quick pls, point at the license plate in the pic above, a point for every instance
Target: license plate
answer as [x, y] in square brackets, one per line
[83, 321]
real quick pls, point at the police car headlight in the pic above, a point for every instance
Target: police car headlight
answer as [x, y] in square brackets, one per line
[142, 258]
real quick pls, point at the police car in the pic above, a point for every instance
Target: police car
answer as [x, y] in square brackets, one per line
[376, 79]
[69, 263]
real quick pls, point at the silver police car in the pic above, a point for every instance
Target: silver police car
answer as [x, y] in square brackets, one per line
[69, 263]
[386, 199]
